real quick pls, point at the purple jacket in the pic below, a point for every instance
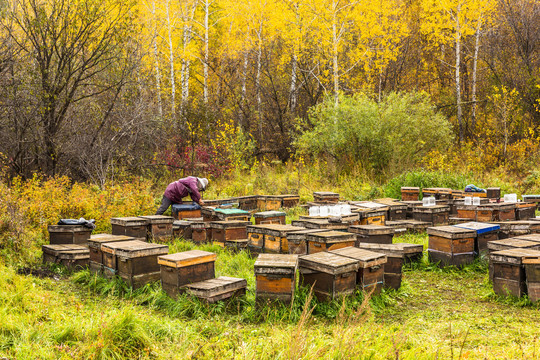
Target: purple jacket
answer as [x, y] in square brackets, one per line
[182, 188]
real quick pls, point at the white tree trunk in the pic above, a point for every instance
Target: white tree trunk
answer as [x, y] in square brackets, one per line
[258, 85]
[293, 94]
[475, 70]
[187, 18]
[335, 67]
[458, 83]
[206, 51]
[156, 60]
[171, 60]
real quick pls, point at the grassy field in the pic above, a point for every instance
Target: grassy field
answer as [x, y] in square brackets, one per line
[448, 314]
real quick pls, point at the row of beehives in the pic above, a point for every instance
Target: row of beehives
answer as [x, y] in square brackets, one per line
[514, 263]
[410, 193]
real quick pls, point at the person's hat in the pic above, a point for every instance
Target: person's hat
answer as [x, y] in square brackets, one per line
[203, 183]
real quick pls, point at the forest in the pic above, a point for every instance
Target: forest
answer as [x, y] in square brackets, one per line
[97, 90]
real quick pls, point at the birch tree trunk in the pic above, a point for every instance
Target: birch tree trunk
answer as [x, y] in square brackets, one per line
[171, 61]
[187, 17]
[206, 51]
[458, 83]
[294, 77]
[156, 61]
[335, 64]
[258, 84]
[475, 69]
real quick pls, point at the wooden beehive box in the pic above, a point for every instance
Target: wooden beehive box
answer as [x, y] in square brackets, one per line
[69, 234]
[130, 226]
[275, 276]
[456, 220]
[218, 289]
[396, 210]
[231, 214]
[183, 211]
[466, 212]
[275, 237]
[223, 231]
[525, 211]
[321, 224]
[410, 193]
[329, 240]
[375, 208]
[493, 192]
[512, 243]
[268, 202]
[531, 198]
[219, 202]
[408, 226]
[182, 229]
[495, 212]
[136, 261]
[255, 234]
[237, 245]
[269, 217]
[410, 206]
[437, 215]
[529, 237]
[517, 228]
[351, 219]
[457, 194]
[450, 245]
[159, 228]
[532, 276]
[72, 256]
[200, 232]
[297, 241]
[177, 270]
[94, 245]
[370, 216]
[509, 276]
[108, 250]
[484, 233]
[373, 233]
[289, 200]
[437, 193]
[247, 203]
[330, 275]
[325, 197]
[371, 268]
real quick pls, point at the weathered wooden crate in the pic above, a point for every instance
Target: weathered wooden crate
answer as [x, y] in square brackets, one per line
[517, 228]
[180, 269]
[218, 289]
[410, 193]
[437, 215]
[525, 211]
[289, 200]
[351, 219]
[457, 194]
[96, 241]
[182, 229]
[466, 212]
[268, 202]
[72, 256]
[408, 226]
[529, 237]
[396, 210]
[269, 217]
[108, 250]
[372, 233]
[371, 217]
[410, 206]
[329, 240]
[532, 276]
[330, 275]
[69, 234]
[451, 245]
[495, 212]
[325, 197]
[437, 193]
[395, 258]
[275, 237]
[298, 242]
[322, 224]
[507, 244]
[371, 268]
[200, 232]
[255, 235]
[509, 276]
[247, 203]
[493, 192]
[159, 228]
[219, 202]
[484, 233]
[231, 214]
[136, 261]
[409, 252]
[130, 226]
[183, 211]
[223, 231]
[531, 198]
[275, 276]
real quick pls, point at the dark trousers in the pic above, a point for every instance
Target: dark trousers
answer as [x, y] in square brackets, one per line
[165, 203]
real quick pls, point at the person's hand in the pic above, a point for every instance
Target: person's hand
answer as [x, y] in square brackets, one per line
[201, 203]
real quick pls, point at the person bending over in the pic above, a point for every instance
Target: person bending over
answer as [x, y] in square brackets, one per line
[191, 185]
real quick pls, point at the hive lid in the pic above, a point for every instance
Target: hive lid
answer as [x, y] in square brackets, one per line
[397, 249]
[496, 206]
[325, 193]
[129, 221]
[265, 214]
[516, 256]
[410, 188]
[68, 228]
[158, 219]
[328, 263]
[217, 286]
[479, 227]
[330, 236]
[135, 248]
[232, 211]
[99, 239]
[366, 258]
[451, 231]
[223, 224]
[431, 209]
[185, 207]
[529, 237]
[301, 234]
[181, 223]
[392, 203]
[186, 258]
[370, 205]
[66, 250]
[371, 229]
[289, 196]
[276, 261]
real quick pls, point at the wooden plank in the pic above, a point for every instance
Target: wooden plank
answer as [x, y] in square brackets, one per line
[328, 263]
[365, 258]
[186, 258]
[451, 232]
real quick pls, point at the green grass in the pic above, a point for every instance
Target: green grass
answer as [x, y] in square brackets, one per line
[445, 313]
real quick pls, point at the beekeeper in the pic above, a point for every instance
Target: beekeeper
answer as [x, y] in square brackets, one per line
[176, 191]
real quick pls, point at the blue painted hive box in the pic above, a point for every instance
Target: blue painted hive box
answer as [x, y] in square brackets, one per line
[186, 211]
[484, 232]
